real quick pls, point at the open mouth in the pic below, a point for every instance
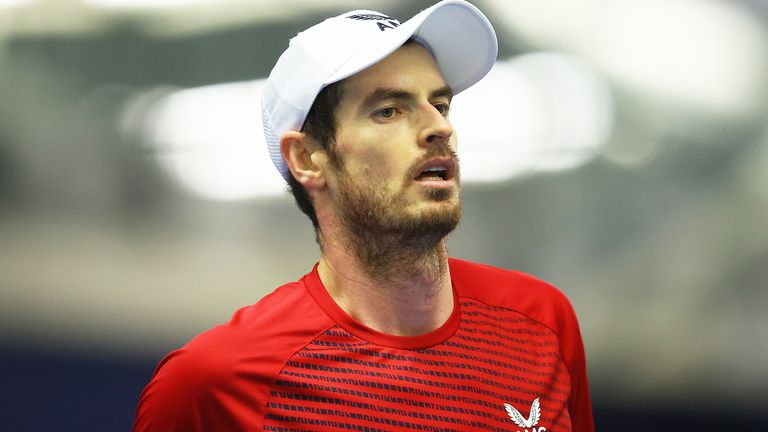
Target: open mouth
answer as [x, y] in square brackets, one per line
[437, 170]
[434, 173]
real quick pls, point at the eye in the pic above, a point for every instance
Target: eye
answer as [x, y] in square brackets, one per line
[385, 113]
[443, 108]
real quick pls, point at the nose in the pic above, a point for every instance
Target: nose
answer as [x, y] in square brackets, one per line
[436, 129]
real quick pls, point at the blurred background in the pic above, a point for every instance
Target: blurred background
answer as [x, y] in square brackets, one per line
[619, 149]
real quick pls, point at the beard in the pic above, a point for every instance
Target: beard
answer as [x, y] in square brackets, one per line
[387, 238]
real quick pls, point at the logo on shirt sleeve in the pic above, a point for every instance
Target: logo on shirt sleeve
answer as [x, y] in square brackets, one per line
[534, 415]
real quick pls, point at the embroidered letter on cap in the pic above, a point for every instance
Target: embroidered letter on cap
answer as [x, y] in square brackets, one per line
[390, 22]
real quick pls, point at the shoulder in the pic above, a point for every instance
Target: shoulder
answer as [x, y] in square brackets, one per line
[514, 290]
[240, 357]
[259, 334]
[541, 302]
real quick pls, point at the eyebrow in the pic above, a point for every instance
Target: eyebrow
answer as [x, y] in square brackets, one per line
[381, 94]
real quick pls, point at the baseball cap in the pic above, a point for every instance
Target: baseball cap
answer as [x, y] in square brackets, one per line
[458, 35]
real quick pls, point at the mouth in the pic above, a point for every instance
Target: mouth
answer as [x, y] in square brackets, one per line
[437, 170]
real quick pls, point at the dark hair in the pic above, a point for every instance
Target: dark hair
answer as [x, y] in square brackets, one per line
[320, 125]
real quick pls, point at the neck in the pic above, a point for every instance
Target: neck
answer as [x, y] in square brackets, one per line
[392, 285]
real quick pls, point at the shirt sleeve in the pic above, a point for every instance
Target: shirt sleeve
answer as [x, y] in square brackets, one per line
[192, 390]
[572, 349]
[221, 379]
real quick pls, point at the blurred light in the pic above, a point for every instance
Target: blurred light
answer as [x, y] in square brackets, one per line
[145, 4]
[14, 3]
[298, 7]
[706, 58]
[537, 113]
[210, 140]
[174, 18]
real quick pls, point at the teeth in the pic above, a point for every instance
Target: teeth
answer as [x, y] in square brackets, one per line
[435, 172]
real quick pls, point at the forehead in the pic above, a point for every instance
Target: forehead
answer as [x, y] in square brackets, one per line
[410, 68]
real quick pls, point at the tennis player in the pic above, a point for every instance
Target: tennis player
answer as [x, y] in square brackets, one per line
[386, 332]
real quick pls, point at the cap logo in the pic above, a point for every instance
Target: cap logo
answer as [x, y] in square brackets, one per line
[389, 23]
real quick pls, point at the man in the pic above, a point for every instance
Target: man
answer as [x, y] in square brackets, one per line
[385, 333]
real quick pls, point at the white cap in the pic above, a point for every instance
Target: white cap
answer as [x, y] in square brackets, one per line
[459, 36]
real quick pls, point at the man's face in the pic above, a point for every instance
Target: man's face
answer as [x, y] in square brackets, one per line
[398, 171]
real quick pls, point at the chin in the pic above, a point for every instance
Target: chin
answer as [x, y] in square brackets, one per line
[440, 194]
[442, 218]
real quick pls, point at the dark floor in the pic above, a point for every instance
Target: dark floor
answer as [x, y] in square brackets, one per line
[43, 392]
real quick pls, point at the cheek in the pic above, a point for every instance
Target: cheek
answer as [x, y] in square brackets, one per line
[374, 157]
[379, 167]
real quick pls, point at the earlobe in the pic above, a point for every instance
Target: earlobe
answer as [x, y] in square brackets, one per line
[297, 150]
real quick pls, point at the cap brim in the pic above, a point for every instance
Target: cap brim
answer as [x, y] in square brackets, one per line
[457, 33]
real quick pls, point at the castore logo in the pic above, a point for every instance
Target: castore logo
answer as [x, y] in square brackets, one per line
[534, 415]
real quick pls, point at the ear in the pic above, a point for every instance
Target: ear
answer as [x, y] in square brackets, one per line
[300, 153]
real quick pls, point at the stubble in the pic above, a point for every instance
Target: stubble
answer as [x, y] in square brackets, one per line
[391, 244]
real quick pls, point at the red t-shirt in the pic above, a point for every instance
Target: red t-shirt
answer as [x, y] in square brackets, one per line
[510, 358]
